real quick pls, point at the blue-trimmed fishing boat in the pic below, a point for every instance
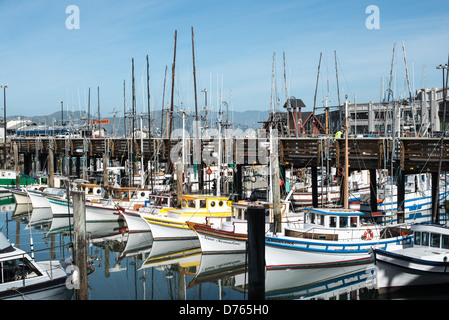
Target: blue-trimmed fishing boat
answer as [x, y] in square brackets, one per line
[423, 262]
[330, 237]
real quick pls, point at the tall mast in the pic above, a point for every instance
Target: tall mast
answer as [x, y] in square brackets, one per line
[88, 115]
[346, 185]
[149, 123]
[163, 102]
[338, 87]
[316, 86]
[409, 89]
[391, 73]
[194, 84]
[172, 90]
[124, 108]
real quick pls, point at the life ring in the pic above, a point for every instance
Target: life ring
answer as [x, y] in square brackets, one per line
[368, 235]
[340, 171]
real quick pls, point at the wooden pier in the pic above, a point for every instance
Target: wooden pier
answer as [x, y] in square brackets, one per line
[411, 155]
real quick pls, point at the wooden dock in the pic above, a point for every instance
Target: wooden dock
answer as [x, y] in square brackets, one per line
[411, 155]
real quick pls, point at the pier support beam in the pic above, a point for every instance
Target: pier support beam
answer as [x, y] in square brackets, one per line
[315, 187]
[373, 190]
[256, 253]
[435, 194]
[401, 196]
[51, 168]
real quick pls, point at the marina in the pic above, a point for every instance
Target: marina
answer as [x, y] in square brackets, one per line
[238, 174]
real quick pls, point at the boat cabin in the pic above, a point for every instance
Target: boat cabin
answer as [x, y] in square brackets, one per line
[207, 203]
[15, 266]
[130, 194]
[91, 191]
[433, 236]
[333, 218]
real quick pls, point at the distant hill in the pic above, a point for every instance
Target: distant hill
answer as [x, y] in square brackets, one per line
[241, 119]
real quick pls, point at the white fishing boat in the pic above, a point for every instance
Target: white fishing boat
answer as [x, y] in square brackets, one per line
[20, 195]
[231, 235]
[425, 261]
[22, 278]
[172, 223]
[5, 194]
[330, 237]
[417, 199]
[62, 212]
[129, 197]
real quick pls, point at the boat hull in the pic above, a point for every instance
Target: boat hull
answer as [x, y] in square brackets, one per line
[396, 271]
[291, 253]
[219, 241]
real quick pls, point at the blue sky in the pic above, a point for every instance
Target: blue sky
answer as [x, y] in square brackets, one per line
[43, 62]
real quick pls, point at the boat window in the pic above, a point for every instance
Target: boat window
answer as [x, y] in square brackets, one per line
[124, 195]
[320, 219]
[192, 204]
[212, 203]
[133, 194]
[220, 204]
[184, 202]
[353, 222]
[333, 222]
[445, 241]
[435, 240]
[417, 238]
[343, 222]
[142, 194]
[17, 269]
[311, 217]
[425, 239]
[202, 203]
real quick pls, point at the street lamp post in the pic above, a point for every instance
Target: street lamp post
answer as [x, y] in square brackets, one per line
[4, 123]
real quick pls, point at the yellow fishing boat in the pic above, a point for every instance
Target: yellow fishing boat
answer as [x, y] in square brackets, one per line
[171, 223]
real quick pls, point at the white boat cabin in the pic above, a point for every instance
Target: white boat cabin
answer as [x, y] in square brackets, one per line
[431, 237]
[333, 218]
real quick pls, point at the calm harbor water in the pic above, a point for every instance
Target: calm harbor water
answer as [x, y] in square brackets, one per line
[131, 267]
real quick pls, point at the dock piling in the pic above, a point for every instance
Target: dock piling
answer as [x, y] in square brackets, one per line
[256, 253]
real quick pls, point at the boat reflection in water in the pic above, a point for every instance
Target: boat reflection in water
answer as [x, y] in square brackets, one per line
[131, 265]
[344, 283]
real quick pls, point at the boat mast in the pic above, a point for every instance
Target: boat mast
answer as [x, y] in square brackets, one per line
[346, 185]
[338, 87]
[316, 86]
[149, 124]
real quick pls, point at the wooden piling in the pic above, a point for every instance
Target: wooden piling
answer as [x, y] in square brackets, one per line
[79, 246]
[51, 168]
[16, 165]
[256, 253]
[373, 189]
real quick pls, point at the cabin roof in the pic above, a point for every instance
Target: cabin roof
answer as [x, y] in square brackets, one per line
[195, 197]
[336, 211]
[426, 227]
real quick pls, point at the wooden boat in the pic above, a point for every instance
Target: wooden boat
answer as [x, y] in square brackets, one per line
[425, 261]
[172, 223]
[330, 237]
[232, 234]
[22, 278]
[62, 212]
